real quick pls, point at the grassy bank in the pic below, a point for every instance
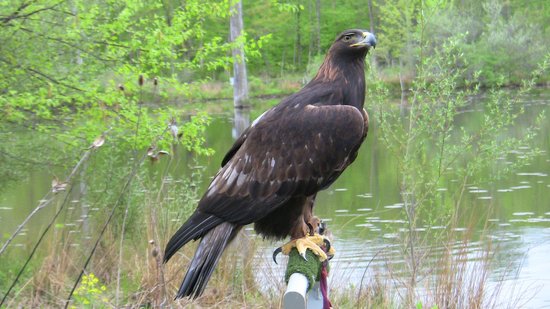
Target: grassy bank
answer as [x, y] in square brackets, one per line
[393, 79]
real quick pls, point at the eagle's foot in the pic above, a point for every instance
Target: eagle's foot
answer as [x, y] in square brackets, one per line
[312, 242]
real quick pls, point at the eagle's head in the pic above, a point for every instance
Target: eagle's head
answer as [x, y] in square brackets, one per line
[353, 42]
[346, 58]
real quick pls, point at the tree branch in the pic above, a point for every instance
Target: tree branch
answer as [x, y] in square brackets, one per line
[17, 14]
[66, 43]
[53, 80]
[35, 72]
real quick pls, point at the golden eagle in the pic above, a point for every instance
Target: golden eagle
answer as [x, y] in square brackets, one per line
[273, 171]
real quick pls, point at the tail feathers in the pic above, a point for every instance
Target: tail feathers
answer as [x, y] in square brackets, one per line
[196, 226]
[206, 258]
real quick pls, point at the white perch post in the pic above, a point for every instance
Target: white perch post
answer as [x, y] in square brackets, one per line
[296, 296]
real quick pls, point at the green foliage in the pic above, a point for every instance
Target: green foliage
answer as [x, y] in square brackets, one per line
[398, 30]
[287, 6]
[193, 134]
[501, 38]
[122, 117]
[297, 36]
[88, 48]
[430, 143]
[81, 70]
[511, 46]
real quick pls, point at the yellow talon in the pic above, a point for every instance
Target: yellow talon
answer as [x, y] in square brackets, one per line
[313, 243]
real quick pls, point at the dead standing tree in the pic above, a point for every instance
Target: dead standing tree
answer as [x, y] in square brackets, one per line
[240, 81]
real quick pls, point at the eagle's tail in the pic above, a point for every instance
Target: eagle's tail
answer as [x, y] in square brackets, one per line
[194, 228]
[206, 258]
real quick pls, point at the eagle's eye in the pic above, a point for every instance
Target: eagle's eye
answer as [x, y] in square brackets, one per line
[347, 38]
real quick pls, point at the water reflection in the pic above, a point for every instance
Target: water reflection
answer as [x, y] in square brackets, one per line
[241, 121]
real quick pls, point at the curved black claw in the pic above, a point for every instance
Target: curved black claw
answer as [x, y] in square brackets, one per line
[277, 251]
[327, 248]
[327, 244]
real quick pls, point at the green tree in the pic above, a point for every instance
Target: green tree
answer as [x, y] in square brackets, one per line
[93, 64]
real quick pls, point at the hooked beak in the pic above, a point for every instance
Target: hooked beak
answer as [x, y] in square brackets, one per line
[369, 40]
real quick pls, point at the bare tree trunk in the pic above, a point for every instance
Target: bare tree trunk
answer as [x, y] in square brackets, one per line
[79, 60]
[315, 33]
[283, 63]
[240, 81]
[298, 44]
[312, 33]
[371, 18]
[404, 100]
[169, 16]
[318, 27]
[168, 12]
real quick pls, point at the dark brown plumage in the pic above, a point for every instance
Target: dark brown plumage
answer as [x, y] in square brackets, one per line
[271, 175]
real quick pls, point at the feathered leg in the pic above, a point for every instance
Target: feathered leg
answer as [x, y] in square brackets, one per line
[306, 235]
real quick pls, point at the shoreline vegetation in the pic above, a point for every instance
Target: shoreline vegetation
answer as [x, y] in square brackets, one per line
[114, 94]
[222, 91]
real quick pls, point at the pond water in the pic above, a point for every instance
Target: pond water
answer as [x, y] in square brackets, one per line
[365, 213]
